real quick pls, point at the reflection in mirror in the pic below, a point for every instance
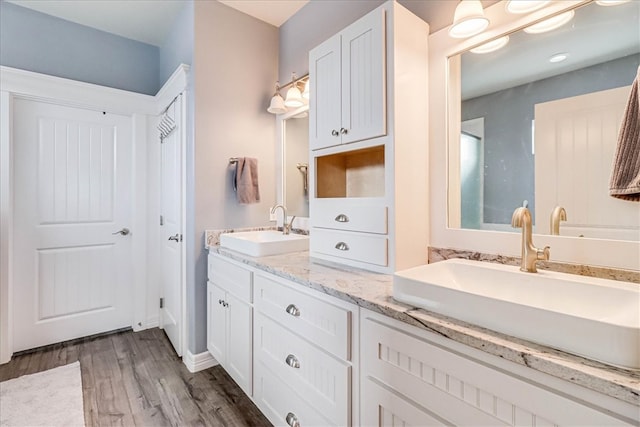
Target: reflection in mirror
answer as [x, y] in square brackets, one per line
[542, 133]
[296, 163]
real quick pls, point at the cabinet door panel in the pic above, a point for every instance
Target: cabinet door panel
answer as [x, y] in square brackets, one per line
[324, 77]
[363, 78]
[239, 327]
[383, 408]
[216, 323]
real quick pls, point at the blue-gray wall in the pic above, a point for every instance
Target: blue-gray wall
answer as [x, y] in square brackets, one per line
[37, 42]
[178, 47]
[509, 164]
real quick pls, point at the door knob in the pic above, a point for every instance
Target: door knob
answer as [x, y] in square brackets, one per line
[123, 232]
[176, 238]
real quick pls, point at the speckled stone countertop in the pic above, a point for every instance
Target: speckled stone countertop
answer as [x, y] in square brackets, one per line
[373, 291]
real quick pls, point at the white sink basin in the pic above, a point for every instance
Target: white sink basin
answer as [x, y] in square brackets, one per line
[595, 318]
[265, 242]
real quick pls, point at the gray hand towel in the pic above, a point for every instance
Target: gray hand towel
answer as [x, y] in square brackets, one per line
[246, 180]
[625, 176]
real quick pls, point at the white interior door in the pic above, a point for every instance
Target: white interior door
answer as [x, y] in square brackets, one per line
[171, 229]
[73, 186]
[575, 141]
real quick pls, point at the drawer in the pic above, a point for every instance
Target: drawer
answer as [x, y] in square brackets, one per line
[281, 404]
[368, 248]
[322, 323]
[322, 380]
[467, 392]
[347, 215]
[231, 277]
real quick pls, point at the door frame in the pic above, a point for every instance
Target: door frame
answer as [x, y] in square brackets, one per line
[15, 83]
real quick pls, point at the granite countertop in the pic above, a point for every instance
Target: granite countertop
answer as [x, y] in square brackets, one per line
[373, 291]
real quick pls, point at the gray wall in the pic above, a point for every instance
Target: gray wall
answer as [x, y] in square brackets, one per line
[178, 47]
[320, 19]
[235, 65]
[37, 42]
[509, 165]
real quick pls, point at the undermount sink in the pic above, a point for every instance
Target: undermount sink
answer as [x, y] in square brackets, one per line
[595, 318]
[264, 242]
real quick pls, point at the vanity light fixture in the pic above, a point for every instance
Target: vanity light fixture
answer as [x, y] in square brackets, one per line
[468, 19]
[611, 2]
[525, 6]
[551, 23]
[294, 98]
[491, 46]
[277, 103]
[305, 92]
[558, 57]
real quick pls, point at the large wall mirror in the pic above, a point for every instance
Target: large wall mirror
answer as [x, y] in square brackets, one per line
[293, 134]
[537, 125]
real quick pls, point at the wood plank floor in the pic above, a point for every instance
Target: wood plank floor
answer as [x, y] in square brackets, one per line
[136, 379]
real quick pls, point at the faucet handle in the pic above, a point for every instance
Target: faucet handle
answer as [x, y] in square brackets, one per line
[543, 254]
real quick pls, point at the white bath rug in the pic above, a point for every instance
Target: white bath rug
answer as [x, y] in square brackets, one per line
[49, 398]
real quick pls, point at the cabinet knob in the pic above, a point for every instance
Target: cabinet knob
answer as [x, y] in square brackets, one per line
[220, 301]
[342, 246]
[292, 420]
[293, 361]
[293, 310]
[335, 132]
[344, 131]
[342, 218]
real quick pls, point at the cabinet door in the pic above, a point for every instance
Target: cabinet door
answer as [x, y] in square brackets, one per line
[325, 100]
[364, 78]
[383, 408]
[216, 323]
[239, 342]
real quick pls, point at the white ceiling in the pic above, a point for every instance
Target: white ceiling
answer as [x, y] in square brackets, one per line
[149, 21]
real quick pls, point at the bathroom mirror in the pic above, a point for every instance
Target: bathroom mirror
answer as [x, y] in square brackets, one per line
[538, 130]
[293, 134]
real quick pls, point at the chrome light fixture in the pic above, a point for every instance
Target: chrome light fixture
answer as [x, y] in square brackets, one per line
[525, 6]
[277, 103]
[294, 98]
[468, 19]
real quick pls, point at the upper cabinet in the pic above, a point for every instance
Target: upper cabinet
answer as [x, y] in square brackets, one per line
[369, 146]
[348, 84]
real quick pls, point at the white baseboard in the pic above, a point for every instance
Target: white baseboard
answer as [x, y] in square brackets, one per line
[198, 362]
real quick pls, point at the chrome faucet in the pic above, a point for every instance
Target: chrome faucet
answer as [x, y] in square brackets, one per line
[286, 228]
[530, 254]
[558, 214]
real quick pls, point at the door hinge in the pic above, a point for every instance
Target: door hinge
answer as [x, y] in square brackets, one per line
[161, 302]
[161, 220]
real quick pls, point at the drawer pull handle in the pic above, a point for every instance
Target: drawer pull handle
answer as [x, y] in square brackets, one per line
[342, 246]
[293, 361]
[293, 310]
[342, 218]
[335, 132]
[292, 420]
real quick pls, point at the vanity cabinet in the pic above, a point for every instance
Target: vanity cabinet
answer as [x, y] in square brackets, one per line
[304, 356]
[347, 77]
[230, 319]
[414, 376]
[368, 143]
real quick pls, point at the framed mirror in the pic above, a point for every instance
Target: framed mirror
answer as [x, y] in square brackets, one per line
[538, 122]
[293, 137]
[445, 119]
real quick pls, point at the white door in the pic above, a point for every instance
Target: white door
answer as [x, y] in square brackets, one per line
[73, 185]
[171, 229]
[575, 141]
[325, 101]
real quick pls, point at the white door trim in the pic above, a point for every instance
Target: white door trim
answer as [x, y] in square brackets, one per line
[30, 85]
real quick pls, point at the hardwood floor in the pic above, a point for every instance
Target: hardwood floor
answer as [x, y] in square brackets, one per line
[136, 379]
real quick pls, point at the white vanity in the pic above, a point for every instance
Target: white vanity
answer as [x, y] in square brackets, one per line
[316, 344]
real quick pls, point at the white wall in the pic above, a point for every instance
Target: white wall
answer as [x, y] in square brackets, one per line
[235, 67]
